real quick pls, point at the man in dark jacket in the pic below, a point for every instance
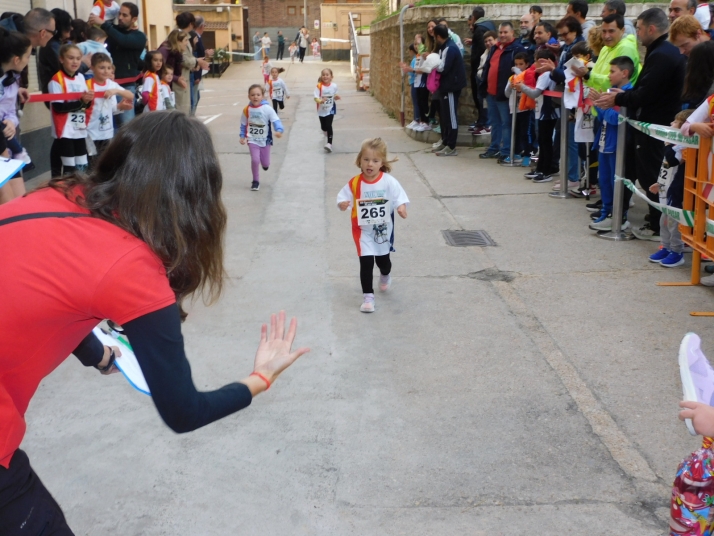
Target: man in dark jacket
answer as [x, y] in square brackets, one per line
[655, 99]
[496, 72]
[480, 26]
[452, 81]
[126, 45]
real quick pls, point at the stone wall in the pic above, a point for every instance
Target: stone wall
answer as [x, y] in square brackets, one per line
[385, 79]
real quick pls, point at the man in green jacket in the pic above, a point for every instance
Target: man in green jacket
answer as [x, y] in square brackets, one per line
[616, 44]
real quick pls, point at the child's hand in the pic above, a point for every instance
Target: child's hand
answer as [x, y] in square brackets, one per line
[125, 105]
[703, 129]
[8, 129]
[242, 141]
[519, 87]
[654, 188]
[343, 206]
[702, 416]
[402, 211]
[110, 93]
[337, 97]
[87, 96]
[278, 134]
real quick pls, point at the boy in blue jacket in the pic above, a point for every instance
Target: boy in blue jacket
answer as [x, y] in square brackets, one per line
[621, 69]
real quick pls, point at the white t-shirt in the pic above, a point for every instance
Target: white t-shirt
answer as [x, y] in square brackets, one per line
[703, 15]
[373, 239]
[257, 123]
[267, 66]
[266, 41]
[71, 125]
[151, 80]
[277, 89]
[110, 12]
[328, 93]
[100, 124]
[165, 94]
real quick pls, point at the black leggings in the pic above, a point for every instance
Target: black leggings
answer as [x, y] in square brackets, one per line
[26, 507]
[68, 155]
[277, 103]
[366, 266]
[302, 54]
[546, 165]
[326, 125]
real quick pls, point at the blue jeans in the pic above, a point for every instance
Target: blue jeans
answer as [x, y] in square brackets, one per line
[573, 171]
[500, 126]
[127, 115]
[606, 172]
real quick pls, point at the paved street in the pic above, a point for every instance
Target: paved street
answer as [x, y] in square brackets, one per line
[530, 387]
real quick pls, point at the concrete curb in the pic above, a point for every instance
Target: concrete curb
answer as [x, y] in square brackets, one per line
[464, 139]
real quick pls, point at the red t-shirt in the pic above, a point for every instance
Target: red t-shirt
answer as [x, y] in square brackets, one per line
[60, 278]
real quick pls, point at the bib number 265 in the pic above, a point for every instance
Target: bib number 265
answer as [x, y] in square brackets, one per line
[372, 211]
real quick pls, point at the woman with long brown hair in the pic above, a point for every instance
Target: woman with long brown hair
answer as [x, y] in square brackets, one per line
[127, 243]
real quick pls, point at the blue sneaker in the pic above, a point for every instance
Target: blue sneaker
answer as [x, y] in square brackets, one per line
[661, 255]
[505, 160]
[673, 260]
[526, 161]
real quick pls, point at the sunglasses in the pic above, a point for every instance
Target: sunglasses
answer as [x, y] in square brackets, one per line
[52, 32]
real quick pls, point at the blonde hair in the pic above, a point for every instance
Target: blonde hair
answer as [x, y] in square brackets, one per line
[173, 39]
[66, 48]
[595, 41]
[683, 115]
[378, 146]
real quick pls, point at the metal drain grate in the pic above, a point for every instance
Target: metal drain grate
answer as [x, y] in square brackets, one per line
[461, 239]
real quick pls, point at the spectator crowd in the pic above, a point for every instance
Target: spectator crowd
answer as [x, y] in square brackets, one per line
[584, 72]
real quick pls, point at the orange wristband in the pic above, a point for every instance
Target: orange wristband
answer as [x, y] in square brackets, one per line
[262, 378]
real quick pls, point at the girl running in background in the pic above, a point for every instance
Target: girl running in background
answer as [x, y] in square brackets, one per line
[325, 97]
[255, 130]
[315, 47]
[277, 90]
[293, 49]
[69, 118]
[266, 66]
[373, 195]
[150, 91]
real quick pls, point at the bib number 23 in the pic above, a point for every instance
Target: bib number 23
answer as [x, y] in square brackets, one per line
[78, 121]
[372, 211]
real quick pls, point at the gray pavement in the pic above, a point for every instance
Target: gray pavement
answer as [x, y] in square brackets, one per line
[530, 387]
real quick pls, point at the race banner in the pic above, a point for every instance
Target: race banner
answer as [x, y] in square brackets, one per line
[669, 134]
[684, 217]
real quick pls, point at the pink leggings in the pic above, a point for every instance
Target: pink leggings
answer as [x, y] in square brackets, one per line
[258, 156]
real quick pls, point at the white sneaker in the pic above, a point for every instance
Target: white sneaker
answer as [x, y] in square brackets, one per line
[425, 127]
[368, 304]
[412, 124]
[328, 147]
[23, 156]
[418, 128]
[438, 145]
[606, 225]
[696, 373]
[384, 282]
[707, 281]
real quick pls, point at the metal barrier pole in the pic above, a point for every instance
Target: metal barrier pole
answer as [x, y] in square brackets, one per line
[513, 104]
[563, 192]
[619, 192]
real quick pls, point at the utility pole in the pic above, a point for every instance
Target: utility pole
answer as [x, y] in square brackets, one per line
[304, 12]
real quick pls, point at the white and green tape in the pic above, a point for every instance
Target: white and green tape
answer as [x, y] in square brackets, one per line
[668, 134]
[684, 217]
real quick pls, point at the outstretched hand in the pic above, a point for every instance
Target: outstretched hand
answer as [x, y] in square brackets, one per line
[274, 355]
[702, 416]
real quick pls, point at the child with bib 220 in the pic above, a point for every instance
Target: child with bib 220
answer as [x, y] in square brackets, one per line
[255, 122]
[373, 196]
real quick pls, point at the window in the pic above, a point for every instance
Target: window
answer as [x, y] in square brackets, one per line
[292, 10]
[302, 10]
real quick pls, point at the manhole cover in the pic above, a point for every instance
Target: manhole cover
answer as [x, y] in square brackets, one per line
[461, 239]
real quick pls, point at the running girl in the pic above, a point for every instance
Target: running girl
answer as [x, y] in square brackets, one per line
[255, 130]
[69, 118]
[372, 195]
[150, 91]
[325, 97]
[266, 66]
[100, 124]
[277, 88]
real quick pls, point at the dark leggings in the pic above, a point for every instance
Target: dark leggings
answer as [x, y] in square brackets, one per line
[326, 125]
[423, 100]
[277, 103]
[26, 507]
[366, 266]
[546, 127]
[434, 108]
[302, 54]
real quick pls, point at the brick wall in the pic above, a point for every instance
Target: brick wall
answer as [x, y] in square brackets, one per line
[385, 76]
[264, 15]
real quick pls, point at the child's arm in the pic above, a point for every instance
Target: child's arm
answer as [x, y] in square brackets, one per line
[316, 94]
[285, 88]
[275, 120]
[344, 198]
[65, 107]
[402, 210]
[699, 122]
[243, 128]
